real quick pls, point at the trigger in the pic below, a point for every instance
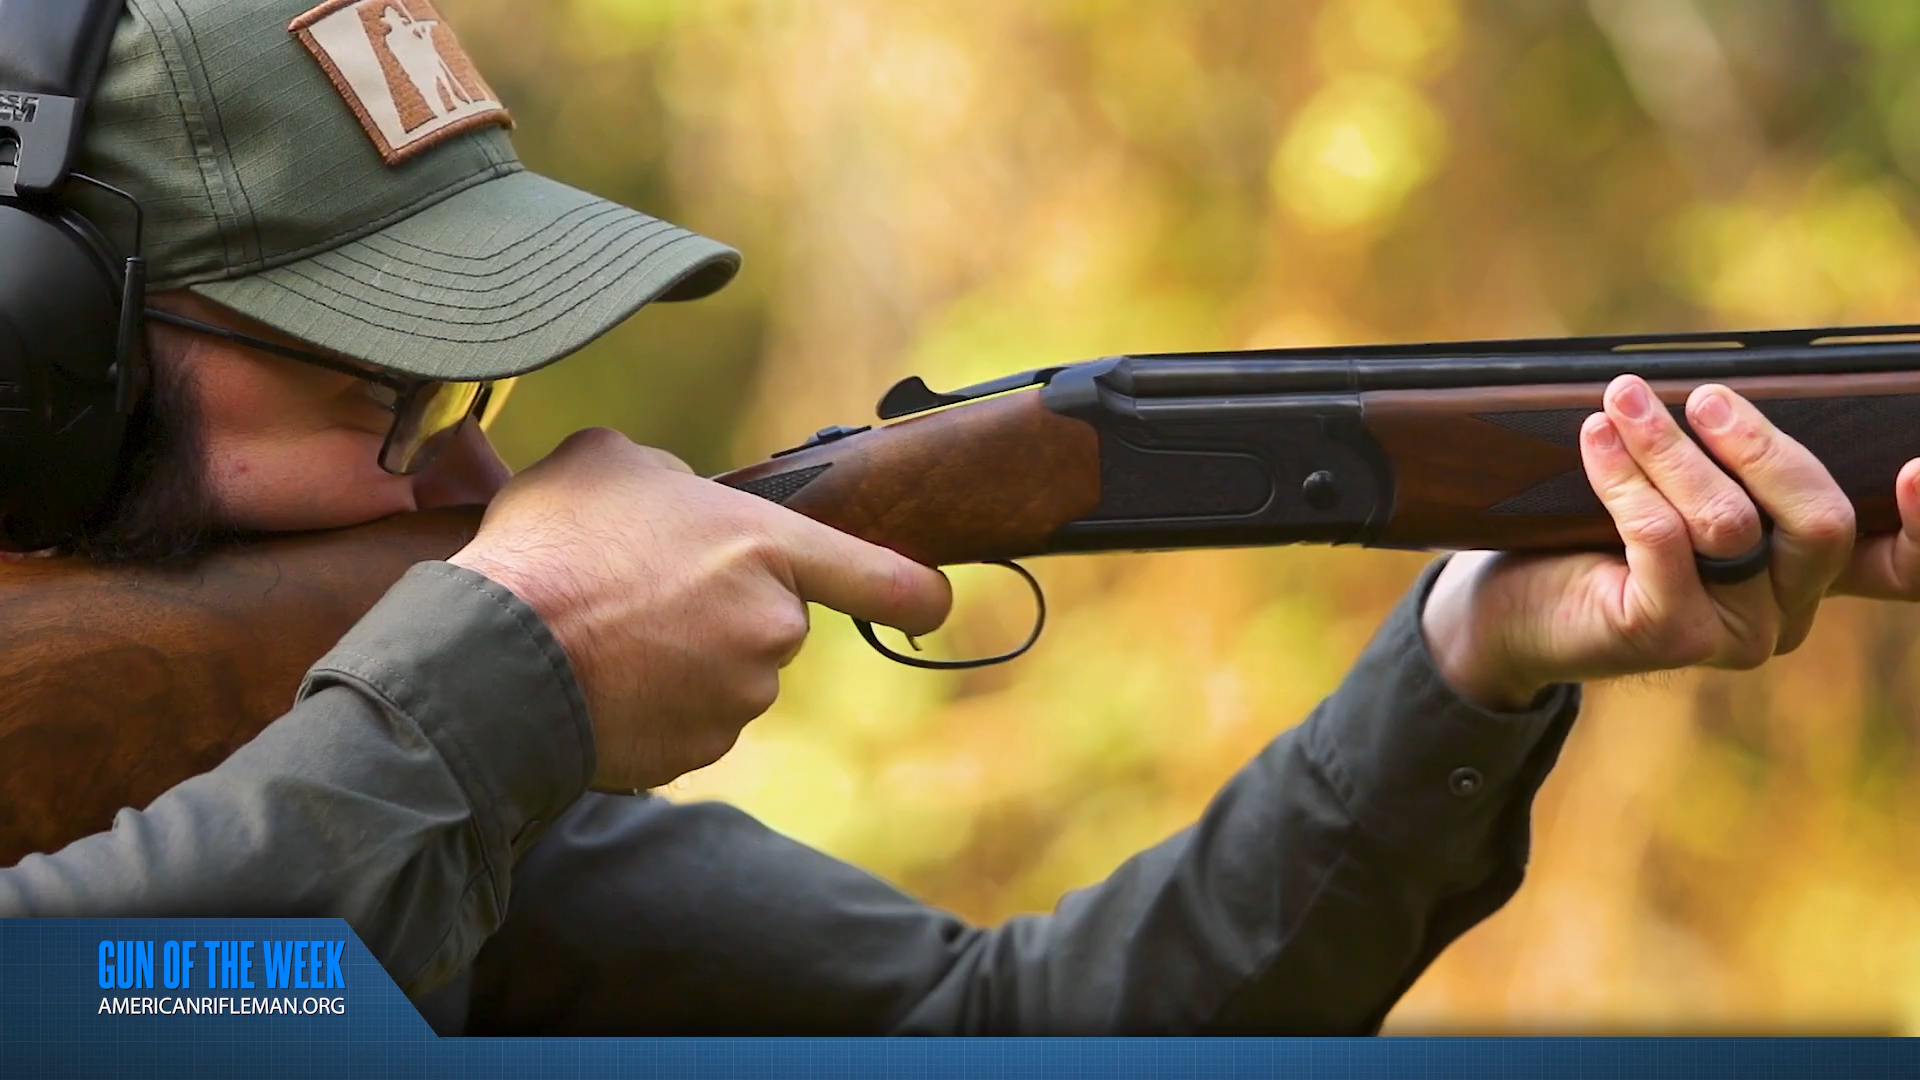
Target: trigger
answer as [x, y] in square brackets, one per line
[1039, 624]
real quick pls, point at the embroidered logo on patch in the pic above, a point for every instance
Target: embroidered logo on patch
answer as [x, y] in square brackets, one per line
[401, 70]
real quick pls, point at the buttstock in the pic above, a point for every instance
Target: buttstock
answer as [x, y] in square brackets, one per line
[1500, 467]
[992, 479]
[117, 683]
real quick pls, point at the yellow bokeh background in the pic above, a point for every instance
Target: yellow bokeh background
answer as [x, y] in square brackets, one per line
[964, 190]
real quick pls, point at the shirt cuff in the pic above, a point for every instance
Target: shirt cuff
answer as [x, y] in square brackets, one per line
[1420, 768]
[478, 671]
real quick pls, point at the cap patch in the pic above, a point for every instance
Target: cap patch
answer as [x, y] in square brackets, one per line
[401, 70]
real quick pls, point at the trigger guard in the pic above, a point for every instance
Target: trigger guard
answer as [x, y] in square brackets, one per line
[1039, 624]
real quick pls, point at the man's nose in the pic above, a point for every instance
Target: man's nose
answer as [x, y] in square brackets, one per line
[468, 472]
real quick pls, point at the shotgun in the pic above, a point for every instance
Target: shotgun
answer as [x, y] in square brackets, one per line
[121, 682]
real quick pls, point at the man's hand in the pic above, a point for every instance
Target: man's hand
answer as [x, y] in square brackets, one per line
[1888, 567]
[677, 599]
[1504, 627]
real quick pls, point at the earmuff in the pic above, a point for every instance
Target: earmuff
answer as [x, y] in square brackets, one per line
[72, 361]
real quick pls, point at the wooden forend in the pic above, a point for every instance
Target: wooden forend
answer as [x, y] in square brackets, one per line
[1500, 467]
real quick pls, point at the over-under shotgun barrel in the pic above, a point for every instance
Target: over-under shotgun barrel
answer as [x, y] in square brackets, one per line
[1466, 445]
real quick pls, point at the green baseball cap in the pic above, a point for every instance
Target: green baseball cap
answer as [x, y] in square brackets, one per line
[342, 173]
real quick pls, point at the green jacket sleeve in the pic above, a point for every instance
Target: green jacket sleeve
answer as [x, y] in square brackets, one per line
[396, 794]
[1317, 886]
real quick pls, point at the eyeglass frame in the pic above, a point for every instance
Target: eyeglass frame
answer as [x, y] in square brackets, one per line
[406, 390]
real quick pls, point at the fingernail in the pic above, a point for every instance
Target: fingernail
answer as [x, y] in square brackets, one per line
[1712, 411]
[1633, 400]
[1603, 436]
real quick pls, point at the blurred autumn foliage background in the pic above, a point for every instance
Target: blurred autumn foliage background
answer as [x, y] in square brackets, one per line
[964, 190]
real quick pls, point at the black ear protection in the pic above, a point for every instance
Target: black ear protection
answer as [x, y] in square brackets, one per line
[72, 358]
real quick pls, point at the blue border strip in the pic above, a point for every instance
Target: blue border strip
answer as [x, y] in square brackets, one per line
[53, 1023]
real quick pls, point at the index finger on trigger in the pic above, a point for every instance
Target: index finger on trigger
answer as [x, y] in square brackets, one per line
[865, 580]
[1813, 520]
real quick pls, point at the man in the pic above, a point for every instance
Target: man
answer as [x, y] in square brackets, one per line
[307, 286]
[400, 789]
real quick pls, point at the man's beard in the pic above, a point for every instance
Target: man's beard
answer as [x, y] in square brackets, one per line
[163, 508]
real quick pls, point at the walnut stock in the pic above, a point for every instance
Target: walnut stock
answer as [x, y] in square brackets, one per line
[117, 683]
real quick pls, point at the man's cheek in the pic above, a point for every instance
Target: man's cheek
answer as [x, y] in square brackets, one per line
[322, 481]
